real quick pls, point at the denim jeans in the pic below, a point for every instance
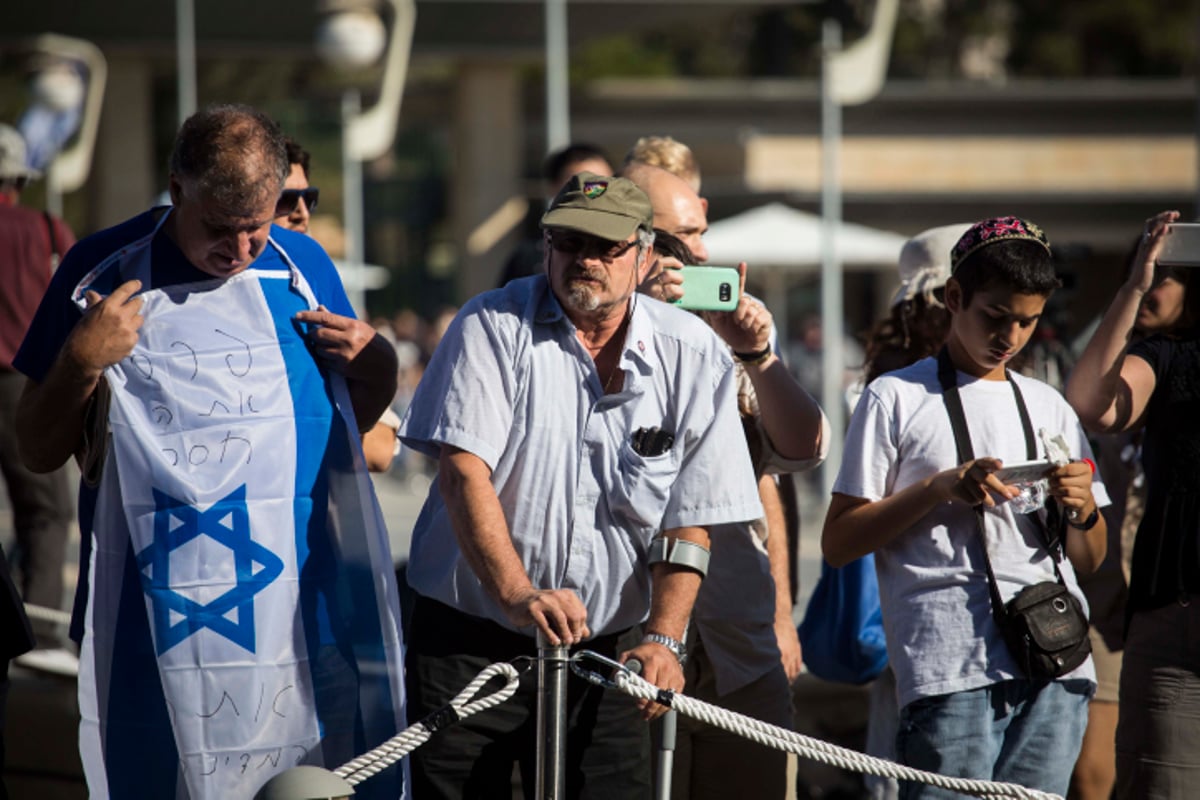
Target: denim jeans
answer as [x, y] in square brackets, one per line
[1017, 731]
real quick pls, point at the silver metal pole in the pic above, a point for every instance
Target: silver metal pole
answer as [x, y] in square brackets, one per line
[833, 359]
[666, 754]
[185, 57]
[551, 720]
[558, 99]
[352, 206]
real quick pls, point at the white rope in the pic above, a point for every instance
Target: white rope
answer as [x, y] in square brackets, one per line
[385, 755]
[403, 743]
[47, 614]
[817, 750]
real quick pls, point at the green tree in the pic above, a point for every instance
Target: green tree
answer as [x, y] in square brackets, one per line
[1103, 38]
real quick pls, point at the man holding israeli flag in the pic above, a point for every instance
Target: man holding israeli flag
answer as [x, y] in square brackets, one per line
[237, 609]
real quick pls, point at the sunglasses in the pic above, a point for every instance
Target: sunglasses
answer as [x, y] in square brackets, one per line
[290, 198]
[585, 246]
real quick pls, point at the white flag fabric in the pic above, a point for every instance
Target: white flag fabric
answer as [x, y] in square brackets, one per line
[238, 538]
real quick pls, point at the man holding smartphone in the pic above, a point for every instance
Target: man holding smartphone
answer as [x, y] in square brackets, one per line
[745, 651]
[573, 421]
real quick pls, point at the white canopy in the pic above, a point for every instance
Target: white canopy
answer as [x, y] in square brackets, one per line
[777, 235]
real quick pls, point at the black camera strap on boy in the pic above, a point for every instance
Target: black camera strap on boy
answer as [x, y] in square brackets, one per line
[1043, 625]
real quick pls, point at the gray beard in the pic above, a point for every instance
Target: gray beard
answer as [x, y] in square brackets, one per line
[581, 298]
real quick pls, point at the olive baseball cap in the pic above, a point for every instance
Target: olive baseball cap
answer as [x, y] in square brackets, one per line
[599, 205]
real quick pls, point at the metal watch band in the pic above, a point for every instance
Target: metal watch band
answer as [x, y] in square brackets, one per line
[672, 644]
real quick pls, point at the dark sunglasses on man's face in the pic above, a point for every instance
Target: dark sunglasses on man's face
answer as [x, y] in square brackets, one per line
[577, 244]
[290, 198]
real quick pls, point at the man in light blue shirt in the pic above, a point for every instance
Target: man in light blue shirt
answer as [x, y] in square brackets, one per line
[573, 422]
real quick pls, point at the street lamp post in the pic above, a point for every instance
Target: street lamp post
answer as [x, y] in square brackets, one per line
[352, 36]
[354, 253]
[69, 169]
[558, 100]
[832, 358]
[185, 58]
[848, 77]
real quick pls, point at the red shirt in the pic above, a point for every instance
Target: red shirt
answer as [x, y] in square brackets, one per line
[26, 263]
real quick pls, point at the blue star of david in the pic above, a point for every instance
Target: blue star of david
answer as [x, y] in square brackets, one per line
[175, 524]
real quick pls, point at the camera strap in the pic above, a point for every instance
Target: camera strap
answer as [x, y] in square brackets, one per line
[948, 378]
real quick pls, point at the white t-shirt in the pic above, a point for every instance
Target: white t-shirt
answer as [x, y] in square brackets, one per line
[933, 586]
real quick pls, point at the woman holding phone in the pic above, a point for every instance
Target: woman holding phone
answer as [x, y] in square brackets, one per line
[1154, 384]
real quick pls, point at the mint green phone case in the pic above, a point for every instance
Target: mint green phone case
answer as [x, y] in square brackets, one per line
[709, 289]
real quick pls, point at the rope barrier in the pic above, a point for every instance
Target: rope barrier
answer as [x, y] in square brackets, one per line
[412, 737]
[790, 741]
[462, 706]
[44, 614]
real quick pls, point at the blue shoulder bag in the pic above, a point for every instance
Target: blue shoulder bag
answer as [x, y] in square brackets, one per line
[842, 631]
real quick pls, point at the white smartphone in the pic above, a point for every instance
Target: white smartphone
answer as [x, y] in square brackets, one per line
[1181, 248]
[1024, 471]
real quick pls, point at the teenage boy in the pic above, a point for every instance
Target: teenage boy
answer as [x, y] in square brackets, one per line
[967, 707]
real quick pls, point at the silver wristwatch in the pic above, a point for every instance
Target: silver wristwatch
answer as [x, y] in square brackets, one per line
[672, 644]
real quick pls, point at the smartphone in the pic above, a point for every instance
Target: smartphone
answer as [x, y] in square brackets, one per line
[1024, 471]
[709, 288]
[1181, 248]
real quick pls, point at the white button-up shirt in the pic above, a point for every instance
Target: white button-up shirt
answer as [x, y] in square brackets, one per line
[511, 383]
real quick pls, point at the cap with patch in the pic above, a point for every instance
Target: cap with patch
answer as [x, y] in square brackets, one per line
[991, 231]
[599, 205]
[925, 263]
[12, 155]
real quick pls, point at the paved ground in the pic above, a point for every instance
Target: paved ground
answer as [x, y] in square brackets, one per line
[42, 760]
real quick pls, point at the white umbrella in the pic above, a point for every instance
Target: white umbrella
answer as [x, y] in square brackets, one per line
[776, 235]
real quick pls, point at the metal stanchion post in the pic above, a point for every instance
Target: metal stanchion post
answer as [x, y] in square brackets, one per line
[551, 720]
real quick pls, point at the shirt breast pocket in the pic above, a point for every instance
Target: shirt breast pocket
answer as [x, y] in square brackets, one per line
[643, 486]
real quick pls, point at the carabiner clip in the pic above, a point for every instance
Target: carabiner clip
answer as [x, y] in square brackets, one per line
[595, 677]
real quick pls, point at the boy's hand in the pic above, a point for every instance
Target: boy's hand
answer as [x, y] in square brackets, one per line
[974, 483]
[1072, 485]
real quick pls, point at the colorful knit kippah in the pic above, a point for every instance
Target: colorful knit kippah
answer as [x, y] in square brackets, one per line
[990, 231]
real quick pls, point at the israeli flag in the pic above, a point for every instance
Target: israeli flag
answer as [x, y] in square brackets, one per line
[243, 615]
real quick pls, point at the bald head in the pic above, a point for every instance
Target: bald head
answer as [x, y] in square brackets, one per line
[678, 210]
[233, 154]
